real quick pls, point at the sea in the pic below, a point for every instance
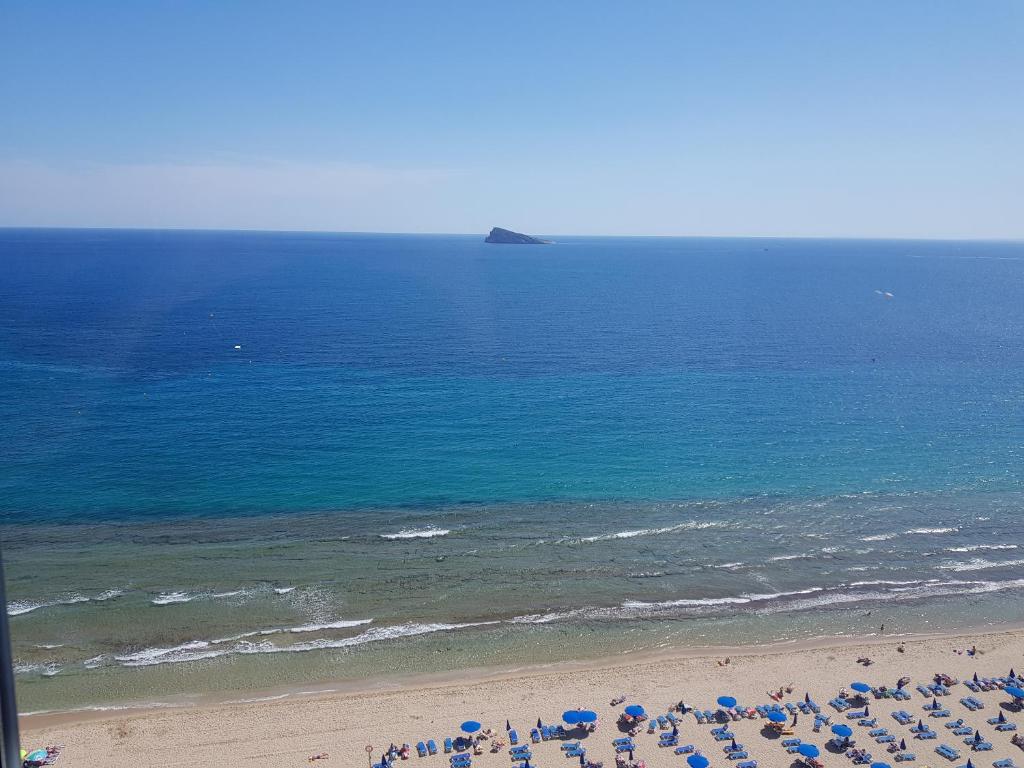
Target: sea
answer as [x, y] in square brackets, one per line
[245, 461]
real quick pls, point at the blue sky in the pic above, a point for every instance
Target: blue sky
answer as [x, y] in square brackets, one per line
[896, 118]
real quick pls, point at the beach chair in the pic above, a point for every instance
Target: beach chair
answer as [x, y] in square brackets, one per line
[730, 748]
[652, 725]
[978, 703]
[686, 749]
[448, 745]
[982, 746]
[839, 704]
[624, 747]
[725, 736]
[431, 747]
[535, 735]
[1006, 727]
[570, 745]
[709, 715]
[668, 740]
[963, 730]
[673, 718]
[857, 714]
[577, 752]
[421, 749]
[622, 740]
[903, 757]
[864, 759]
[878, 732]
[939, 713]
[814, 707]
[902, 717]
[513, 737]
[972, 685]
[662, 722]
[868, 723]
[699, 717]
[1004, 763]
[889, 739]
[924, 691]
[747, 764]
[947, 752]
[926, 735]
[791, 743]
[954, 723]
[737, 755]
[966, 701]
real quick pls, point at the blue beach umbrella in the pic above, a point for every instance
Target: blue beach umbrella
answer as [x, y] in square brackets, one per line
[777, 717]
[675, 730]
[842, 730]
[1002, 717]
[470, 726]
[808, 750]
[587, 716]
[865, 710]
[880, 765]
[36, 756]
[860, 687]
[1013, 690]
[572, 717]
[634, 710]
[969, 763]
[698, 761]
[903, 743]
[1012, 673]
[583, 759]
[726, 701]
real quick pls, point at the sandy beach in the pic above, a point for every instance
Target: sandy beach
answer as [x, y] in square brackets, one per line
[286, 729]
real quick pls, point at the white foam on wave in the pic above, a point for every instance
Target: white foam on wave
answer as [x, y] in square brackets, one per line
[691, 525]
[416, 533]
[340, 624]
[174, 598]
[20, 607]
[781, 558]
[283, 590]
[542, 618]
[913, 531]
[880, 537]
[199, 650]
[978, 547]
[980, 564]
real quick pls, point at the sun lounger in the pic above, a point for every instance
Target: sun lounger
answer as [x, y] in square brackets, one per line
[686, 749]
[791, 742]
[652, 726]
[972, 685]
[668, 740]
[535, 735]
[747, 764]
[963, 730]
[793, 750]
[624, 747]
[1004, 763]
[878, 732]
[924, 691]
[978, 703]
[814, 707]
[862, 759]
[577, 752]
[1006, 727]
[673, 718]
[513, 737]
[699, 716]
[905, 756]
[902, 717]
[926, 735]
[725, 736]
[461, 760]
[868, 723]
[448, 745]
[730, 748]
[709, 715]
[421, 749]
[839, 704]
[947, 752]
[622, 740]
[885, 739]
[791, 707]
[982, 746]
[431, 747]
[737, 755]
[954, 723]
[570, 745]
[939, 713]
[856, 714]
[522, 756]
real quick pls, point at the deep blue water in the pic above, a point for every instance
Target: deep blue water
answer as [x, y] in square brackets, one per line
[378, 371]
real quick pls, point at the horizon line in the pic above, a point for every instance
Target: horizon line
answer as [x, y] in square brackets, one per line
[253, 230]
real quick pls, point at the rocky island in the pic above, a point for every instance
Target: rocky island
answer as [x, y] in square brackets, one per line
[508, 237]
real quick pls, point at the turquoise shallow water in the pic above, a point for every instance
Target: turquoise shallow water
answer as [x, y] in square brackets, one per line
[428, 452]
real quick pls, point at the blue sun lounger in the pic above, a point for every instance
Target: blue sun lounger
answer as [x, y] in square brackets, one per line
[1004, 763]
[699, 716]
[839, 704]
[791, 742]
[982, 746]
[570, 745]
[535, 735]
[730, 748]
[926, 735]
[622, 740]
[947, 752]
[725, 736]
[868, 723]
[577, 752]
[939, 713]
[668, 740]
[686, 749]
[448, 745]
[887, 739]
[903, 757]
[1006, 727]
[738, 755]
[902, 717]
[747, 764]
[954, 723]
[878, 732]
[513, 737]
[963, 730]
[421, 749]
[431, 747]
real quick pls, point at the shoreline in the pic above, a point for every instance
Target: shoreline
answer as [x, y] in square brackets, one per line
[428, 681]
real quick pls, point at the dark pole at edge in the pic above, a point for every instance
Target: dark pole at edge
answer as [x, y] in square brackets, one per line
[11, 756]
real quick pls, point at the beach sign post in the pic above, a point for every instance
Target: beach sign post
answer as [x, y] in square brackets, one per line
[369, 755]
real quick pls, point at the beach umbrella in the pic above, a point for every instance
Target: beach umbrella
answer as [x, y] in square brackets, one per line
[726, 701]
[1012, 674]
[969, 763]
[734, 743]
[807, 698]
[865, 710]
[635, 710]
[526, 763]
[675, 730]
[572, 717]
[583, 760]
[1002, 717]
[587, 716]
[1013, 690]
[808, 750]
[920, 725]
[776, 716]
[975, 677]
[508, 726]
[539, 724]
[860, 687]
[631, 755]
[470, 726]
[977, 736]
[842, 730]
[903, 743]
[698, 761]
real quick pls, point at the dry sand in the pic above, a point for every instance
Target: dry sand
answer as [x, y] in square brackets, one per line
[286, 731]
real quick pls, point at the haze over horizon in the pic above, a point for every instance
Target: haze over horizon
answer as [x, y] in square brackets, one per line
[794, 119]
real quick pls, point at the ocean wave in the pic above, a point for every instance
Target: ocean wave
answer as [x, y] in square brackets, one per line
[174, 598]
[782, 558]
[416, 533]
[200, 650]
[980, 564]
[691, 525]
[880, 537]
[283, 590]
[931, 530]
[21, 607]
[543, 618]
[340, 624]
[978, 547]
